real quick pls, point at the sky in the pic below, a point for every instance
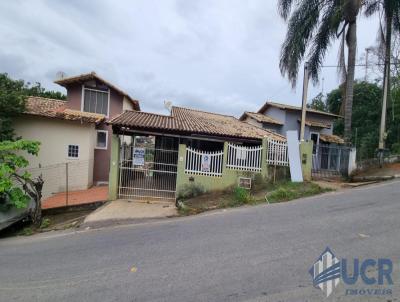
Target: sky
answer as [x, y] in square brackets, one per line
[214, 55]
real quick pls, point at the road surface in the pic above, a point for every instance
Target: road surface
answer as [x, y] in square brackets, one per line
[259, 253]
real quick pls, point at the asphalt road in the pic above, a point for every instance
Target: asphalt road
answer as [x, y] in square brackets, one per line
[260, 253]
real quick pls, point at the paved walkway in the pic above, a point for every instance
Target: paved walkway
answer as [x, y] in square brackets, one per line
[122, 210]
[91, 195]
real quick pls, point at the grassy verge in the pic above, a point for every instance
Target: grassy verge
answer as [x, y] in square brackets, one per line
[272, 193]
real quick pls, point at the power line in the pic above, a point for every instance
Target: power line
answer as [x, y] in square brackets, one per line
[360, 65]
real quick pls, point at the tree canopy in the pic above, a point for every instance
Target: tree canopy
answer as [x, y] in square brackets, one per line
[13, 94]
[366, 118]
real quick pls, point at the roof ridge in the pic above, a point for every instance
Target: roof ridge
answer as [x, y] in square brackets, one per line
[45, 98]
[198, 110]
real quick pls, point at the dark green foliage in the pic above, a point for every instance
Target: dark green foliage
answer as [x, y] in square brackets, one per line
[189, 191]
[241, 195]
[318, 103]
[13, 94]
[366, 117]
[291, 190]
[13, 182]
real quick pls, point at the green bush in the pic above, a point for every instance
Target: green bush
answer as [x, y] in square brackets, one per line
[241, 195]
[45, 223]
[190, 190]
[396, 148]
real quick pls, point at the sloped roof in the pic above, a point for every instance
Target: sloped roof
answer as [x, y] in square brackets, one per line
[261, 118]
[317, 124]
[290, 107]
[331, 139]
[93, 76]
[185, 120]
[53, 108]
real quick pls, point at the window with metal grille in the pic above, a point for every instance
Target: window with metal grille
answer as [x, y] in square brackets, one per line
[95, 101]
[73, 151]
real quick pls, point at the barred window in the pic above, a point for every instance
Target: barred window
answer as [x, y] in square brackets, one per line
[73, 151]
[95, 101]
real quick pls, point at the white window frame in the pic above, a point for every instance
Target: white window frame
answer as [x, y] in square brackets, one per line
[97, 90]
[316, 147]
[102, 148]
[79, 151]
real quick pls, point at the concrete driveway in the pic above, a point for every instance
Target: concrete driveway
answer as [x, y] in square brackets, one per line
[125, 211]
[260, 253]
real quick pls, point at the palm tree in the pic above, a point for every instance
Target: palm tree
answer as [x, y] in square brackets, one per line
[391, 15]
[313, 25]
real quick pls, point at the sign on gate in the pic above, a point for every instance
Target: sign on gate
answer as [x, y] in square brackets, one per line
[138, 156]
[205, 163]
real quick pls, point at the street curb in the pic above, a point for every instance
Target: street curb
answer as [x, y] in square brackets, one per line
[375, 178]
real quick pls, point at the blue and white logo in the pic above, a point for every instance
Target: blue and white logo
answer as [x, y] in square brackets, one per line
[326, 272]
[375, 275]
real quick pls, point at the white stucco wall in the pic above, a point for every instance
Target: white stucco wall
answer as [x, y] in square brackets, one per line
[55, 136]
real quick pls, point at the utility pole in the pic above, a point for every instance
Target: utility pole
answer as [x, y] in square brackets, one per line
[304, 104]
[386, 88]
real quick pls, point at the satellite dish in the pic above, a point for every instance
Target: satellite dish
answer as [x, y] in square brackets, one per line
[60, 75]
[168, 105]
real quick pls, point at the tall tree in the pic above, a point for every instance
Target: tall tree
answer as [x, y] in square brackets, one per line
[390, 12]
[312, 26]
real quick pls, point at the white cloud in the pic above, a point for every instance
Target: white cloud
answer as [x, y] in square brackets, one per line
[214, 55]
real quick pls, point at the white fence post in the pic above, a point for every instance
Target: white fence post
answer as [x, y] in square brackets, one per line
[244, 158]
[203, 162]
[277, 153]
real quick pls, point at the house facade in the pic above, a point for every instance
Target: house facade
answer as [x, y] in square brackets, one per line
[91, 93]
[171, 155]
[281, 118]
[75, 148]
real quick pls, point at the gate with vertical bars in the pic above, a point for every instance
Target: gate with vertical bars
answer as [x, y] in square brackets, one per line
[147, 173]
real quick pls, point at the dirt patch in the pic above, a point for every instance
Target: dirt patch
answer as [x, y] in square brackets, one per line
[386, 170]
[272, 193]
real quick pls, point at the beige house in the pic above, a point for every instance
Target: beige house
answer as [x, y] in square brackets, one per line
[74, 136]
[66, 136]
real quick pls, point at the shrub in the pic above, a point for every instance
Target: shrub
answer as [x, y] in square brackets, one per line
[241, 195]
[190, 190]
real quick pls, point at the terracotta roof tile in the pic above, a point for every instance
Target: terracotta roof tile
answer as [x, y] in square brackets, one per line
[317, 124]
[193, 121]
[331, 139]
[53, 108]
[290, 107]
[90, 76]
[261, 118]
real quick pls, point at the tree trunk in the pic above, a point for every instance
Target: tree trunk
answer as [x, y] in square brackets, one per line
[352, 49]
[386, 78]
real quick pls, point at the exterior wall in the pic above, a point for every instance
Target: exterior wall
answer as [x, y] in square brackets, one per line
[290, 118]
[253, 122]
[306, 149]
[118, 103]
[228, 179]
[55, 136]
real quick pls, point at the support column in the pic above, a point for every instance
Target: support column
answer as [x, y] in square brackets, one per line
[114, 168]
[306, 149]
[181, 167]
[264, 167]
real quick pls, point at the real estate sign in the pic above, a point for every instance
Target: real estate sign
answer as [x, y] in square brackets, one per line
[205, 163]
[138, 156]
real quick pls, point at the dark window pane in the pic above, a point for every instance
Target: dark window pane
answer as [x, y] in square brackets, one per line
[101, 139]
[73, 151]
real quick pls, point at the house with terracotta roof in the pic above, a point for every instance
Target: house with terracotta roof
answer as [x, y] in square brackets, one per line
[330, 156]
[281, 118]
[186, 150]
[74, 131]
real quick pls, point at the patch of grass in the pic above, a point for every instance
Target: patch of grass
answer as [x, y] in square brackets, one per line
[28, 231]
[291, 190]
[235, 197]
[45, 223]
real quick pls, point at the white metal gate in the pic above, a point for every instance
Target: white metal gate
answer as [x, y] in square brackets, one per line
[147, 173]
